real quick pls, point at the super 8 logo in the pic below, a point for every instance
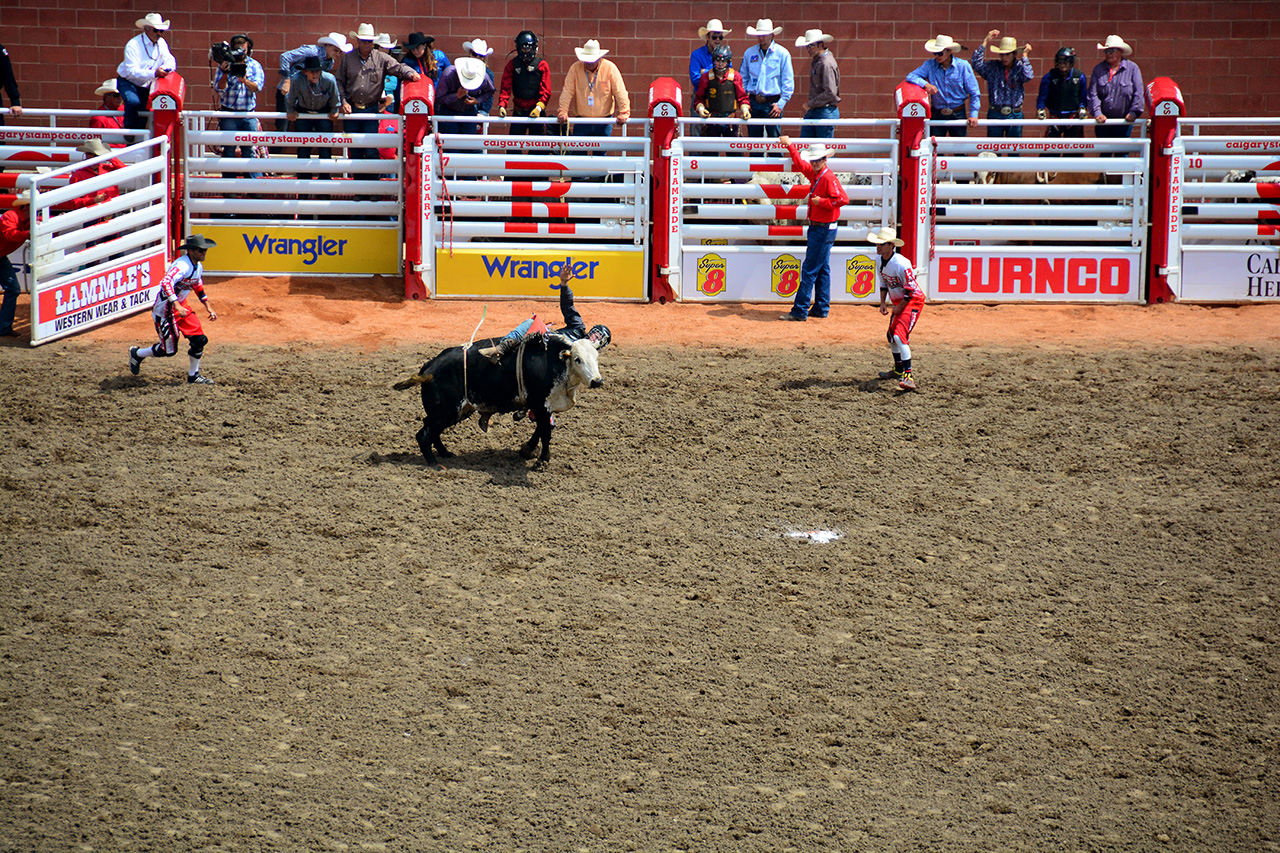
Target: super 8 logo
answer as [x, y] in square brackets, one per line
[711, 274]
[859, 276]
[785, 275]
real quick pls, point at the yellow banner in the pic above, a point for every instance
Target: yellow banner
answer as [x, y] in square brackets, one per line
[315, 249]
[536, 272]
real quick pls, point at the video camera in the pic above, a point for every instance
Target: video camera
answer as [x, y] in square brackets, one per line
[224, 52]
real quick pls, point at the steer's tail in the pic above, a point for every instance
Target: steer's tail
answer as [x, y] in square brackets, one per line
[418, 379]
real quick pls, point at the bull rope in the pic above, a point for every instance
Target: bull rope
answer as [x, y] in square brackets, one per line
[447, 206]
[466, 388]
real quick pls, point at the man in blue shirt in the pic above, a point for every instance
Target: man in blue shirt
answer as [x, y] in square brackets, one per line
[950, 82]
[328, 49]
[700, 60]
[1006, 76]
[767, 76]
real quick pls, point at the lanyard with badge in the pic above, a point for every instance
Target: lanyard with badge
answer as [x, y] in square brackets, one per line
[591, 86]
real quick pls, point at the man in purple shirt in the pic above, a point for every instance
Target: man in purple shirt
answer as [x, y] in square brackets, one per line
[1115, 89]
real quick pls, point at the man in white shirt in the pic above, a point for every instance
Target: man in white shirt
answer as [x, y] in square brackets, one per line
[146, 58]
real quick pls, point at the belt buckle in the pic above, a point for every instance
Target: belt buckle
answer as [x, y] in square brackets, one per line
[1006, 111]
[946, 112]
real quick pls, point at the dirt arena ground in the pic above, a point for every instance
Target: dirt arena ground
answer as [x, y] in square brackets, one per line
[247, 617]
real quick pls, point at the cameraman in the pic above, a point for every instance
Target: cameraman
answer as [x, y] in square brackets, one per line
[238, 79]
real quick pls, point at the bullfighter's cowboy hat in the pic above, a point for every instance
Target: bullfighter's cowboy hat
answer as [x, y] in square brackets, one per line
[812, 37]
[590, 52]
[151, 19]
[885, 235]
[713, 26]
[764, 27]
[198, 242]
[1116, 41]
[941, 43]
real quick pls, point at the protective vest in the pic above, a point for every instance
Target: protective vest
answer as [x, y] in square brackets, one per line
[525, 81]
[1064, 92]
[722, 98]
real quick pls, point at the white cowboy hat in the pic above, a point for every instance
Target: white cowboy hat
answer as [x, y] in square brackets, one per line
[764, 27]
[713, 26]
[816, 151]
[151, 19]
[384, 41]
[1008, 44]
[812, 37]
[1116, 41]
[108, 87]
[94, 148]
[885, 235]
[479, 46]
[21, 198]
[470, 72]
[590, 52]
[941, 43]
[338, 40]
[364, 32]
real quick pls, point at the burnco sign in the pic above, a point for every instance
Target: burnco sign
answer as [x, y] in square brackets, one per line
[976, 276]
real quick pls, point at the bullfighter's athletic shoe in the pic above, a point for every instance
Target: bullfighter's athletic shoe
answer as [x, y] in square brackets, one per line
[907, 383]
[135, 361]
[198, 379]
[891, 374]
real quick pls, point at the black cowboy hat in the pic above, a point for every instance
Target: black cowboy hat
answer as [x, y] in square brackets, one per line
[416, 39]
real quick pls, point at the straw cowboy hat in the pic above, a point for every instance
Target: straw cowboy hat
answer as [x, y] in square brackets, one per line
[108, 87]
[338, 40]
[22, 198]
[816, 151]
[1116, 41]
[151, 19]
[198, 242]
[764, 27]
[941, 43]
[384, 41]
[885, 235]
[1007, 44]
[470, 72]
[713, 26]
[479, 46]
[364, 32]
[94, 148]
[812, 37]
[590, 52]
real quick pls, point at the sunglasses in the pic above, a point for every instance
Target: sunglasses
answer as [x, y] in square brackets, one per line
[717, 36]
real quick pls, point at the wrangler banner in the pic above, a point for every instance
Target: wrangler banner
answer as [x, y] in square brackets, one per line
[312, 249]
[536, 273]
[719, 273]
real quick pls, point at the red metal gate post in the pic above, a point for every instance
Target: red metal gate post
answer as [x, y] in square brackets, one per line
[1165, 106]
[417, 100]
[664, 110]
[912, 103]
[165, 103]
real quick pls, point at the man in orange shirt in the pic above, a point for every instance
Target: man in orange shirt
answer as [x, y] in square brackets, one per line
[826, 197]
[593, 88]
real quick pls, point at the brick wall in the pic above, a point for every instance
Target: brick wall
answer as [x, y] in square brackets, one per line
[1220, 53]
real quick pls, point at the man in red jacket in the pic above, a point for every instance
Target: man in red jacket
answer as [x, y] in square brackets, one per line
[826, 197]
[13, 233]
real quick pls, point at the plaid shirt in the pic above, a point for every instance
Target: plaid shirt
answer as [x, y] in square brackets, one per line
[1004, 85]
[236, 97]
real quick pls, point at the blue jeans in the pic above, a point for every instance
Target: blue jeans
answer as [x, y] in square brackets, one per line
[135, 99]
[822, 131]
[314, 125]
[9, 281]
[759, 110]
[1013, 131]
[357, 123]
[240, 125]
[592, 129]
[815, 272]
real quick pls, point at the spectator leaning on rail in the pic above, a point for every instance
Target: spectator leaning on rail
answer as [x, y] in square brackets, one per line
[313, 93]
[479, 48]
[824, 83]
[1064, 93]
[359, 75]
[1006, 77]
[526, 85]
[720, 93]
[951, 85]
[767, 76]
[328, 49]
[593, 88]
[712, 34]
[9, 83]
[146, 59]
[1115, 89]
[13, 233]
[826, 197]
[238, 89]
[419, 56]
[110, 103]
[462, 89]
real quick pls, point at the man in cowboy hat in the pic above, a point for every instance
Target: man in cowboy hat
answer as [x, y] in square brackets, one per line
[14, 231]
[94, 149]
[462, 89]
[359, 75]
[110, 92]
[824, 83]
[720, 94]
[10, 84]
[826, 197]
[172, 315]
[479, 48]
[1115, 89]
[898, 285]
[1064, 93]
[951, 83]
[313, 104]
[526, 85]
[767, 76]
[1006, 77]
[146, 59]
[593, 88]
[712, 34]
[327, 49]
